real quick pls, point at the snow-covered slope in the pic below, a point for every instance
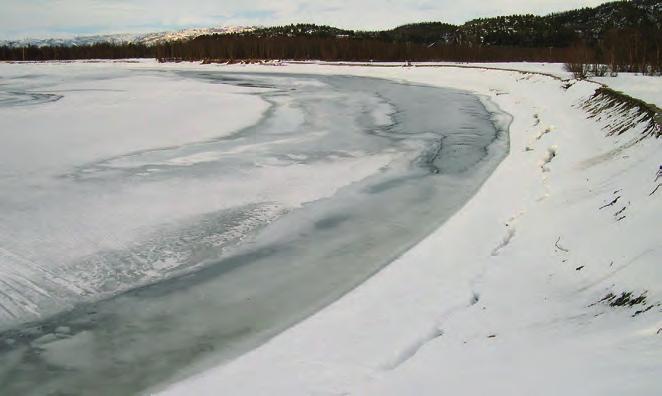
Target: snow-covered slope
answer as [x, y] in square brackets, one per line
[646, 88]
[135, 38]
[547, 282]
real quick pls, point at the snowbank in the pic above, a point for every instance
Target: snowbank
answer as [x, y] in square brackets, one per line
[521, 292]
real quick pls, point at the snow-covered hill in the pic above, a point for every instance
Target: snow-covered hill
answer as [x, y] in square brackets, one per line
[136, 38]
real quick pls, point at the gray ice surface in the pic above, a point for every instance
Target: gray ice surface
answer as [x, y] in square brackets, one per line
[280, 269]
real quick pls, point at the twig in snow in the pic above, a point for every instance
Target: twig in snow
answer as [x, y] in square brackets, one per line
[656, 188]
[620, 211]
[612, 203]
[644, 310]
[560, 247]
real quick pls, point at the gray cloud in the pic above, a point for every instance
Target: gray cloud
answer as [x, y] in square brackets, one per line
[37, 18]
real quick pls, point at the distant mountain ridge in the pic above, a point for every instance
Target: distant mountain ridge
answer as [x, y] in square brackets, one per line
[128, 38]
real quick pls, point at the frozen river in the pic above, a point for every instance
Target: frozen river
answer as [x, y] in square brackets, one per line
[156, 222]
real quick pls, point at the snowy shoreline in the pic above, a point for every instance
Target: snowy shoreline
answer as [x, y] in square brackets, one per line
[511, 295]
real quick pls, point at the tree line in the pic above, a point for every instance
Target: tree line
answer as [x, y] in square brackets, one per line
[624, 50]
[62, 52]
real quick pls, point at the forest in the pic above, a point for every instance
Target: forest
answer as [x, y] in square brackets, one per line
[619, 36]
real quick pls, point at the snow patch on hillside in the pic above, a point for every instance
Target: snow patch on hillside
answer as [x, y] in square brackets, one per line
[123, 38]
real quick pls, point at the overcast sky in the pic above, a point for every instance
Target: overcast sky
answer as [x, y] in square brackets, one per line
[65, 18]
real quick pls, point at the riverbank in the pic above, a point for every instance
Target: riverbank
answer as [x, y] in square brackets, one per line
[546, 282]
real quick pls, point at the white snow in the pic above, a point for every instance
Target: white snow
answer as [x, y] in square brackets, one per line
[504, 298]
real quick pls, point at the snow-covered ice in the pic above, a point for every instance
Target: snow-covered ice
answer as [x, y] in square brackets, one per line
[218, 235]
[119, 159]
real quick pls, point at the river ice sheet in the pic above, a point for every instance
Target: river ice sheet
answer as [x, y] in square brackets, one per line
[161, 221]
